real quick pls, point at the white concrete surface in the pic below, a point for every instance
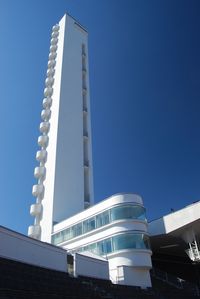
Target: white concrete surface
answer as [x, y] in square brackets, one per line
[21, 248]
[87, 264]
[175, 220]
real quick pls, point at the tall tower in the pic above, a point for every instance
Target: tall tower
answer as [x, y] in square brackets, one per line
[64, 173]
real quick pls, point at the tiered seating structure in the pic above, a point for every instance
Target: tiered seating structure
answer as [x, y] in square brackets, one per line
[20, 280]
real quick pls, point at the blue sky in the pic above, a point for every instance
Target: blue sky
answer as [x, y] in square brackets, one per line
[145, 99]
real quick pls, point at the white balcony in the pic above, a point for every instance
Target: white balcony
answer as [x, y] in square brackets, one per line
[36, 209]
[46, 114]
[52, 55]
[43, 141]
[49, 81]
[34, 231]
[47, 102]
[38, 190]
[55, 27]
[53, 48]
[41, 156]
[44, 127]
[40, 172]
[54, 34]
[51, 64]
[54, 41]
[50, 72]
[48, 91]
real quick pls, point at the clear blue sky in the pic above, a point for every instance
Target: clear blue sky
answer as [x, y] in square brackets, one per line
[145, 97]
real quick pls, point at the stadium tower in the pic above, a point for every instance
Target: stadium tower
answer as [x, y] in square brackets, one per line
[64, 173]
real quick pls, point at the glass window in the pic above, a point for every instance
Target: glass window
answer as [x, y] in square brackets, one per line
[53, 239]
[104, 247]
[100, 248]
[127, 241]
[57, 238]
[127, 212]
[89, 225]
[103, 219]
[107, 246]
[122, 212]
[85, 248]
[92, 247]
[116, 213]
[77, 230]
[119, 242]
[123, 242]
[67, 234]
[73, 231]
[138, 212]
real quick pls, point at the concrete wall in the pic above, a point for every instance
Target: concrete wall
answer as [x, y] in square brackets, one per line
[133, 276]
[89, 266]
[69, 174]
[18, 247]
[131, 267]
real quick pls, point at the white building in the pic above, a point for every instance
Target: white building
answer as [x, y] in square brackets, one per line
[114, 229]
[64, 174]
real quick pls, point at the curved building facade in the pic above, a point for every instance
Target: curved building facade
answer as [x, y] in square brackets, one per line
[115, 229]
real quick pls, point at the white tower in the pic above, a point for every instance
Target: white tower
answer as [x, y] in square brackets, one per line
[64, 174]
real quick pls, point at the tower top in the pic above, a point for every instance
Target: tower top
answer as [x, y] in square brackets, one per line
[77, 23]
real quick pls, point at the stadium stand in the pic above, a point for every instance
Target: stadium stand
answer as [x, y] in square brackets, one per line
[20, 280]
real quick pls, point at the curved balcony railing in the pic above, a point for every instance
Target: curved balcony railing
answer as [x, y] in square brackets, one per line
[40, 172]
[38, 190]
[36, 209]
[43, 140]
[44, 127]
[34, 231]
[41, 156]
